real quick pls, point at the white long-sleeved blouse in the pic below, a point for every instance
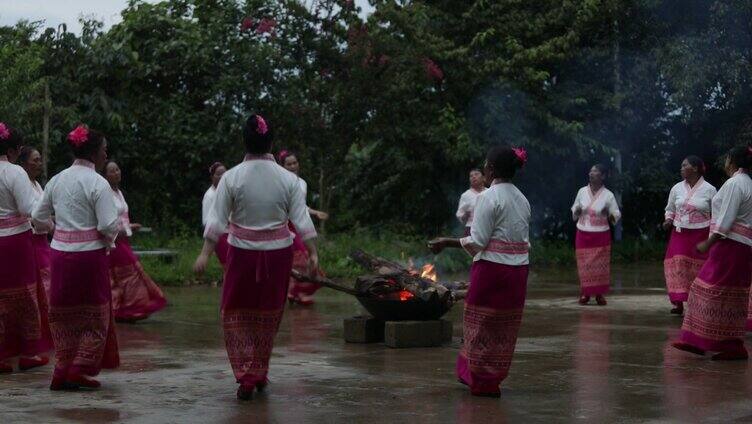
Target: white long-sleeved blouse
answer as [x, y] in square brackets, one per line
[86, 217]
[207, 203]
[690, 207]
[255, 200]
[50, 224]
[466, 207]
[593, 205]
[500, 231]
[124, 222]
[17, 199]
[732, 209]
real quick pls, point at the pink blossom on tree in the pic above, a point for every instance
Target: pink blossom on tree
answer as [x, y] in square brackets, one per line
[266, 25]
[247, 24]
[433, 72]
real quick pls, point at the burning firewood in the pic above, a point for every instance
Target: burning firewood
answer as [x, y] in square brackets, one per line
[395, 292]
[395, 277]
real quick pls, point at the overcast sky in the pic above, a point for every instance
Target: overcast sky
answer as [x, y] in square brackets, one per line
[55, 12]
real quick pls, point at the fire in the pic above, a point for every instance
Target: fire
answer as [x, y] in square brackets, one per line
[405, 295]
[429, 272]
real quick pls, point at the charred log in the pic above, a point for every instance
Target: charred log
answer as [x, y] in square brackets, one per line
[392, 282]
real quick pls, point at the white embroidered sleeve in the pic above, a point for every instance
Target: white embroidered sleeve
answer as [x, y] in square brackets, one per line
[671, 205]
[206, 204]
[482, 228]
[23, 192]
[729, 208]
[462, 209]
[613, 208]
[42, 213]
[299, 214]
[219, 214]
[106, 212]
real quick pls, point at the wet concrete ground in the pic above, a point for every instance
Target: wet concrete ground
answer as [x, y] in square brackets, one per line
[573, 363]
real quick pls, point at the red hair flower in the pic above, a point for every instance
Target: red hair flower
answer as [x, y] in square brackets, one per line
[282, 156]
[521, 154]
[4, 131]
[79, 136]
[261, 126]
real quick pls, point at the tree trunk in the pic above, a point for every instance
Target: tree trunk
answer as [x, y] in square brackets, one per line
[46, 129]
[322, 193]
[617, 93]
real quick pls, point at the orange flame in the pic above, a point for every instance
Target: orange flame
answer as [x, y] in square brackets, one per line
[405, 295]
[429, 272]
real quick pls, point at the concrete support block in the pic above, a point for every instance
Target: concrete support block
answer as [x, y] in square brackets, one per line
[404, 334]
[363, 329]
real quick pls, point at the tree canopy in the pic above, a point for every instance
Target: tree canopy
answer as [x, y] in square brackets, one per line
[388, 113]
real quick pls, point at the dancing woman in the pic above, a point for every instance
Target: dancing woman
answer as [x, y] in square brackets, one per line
[499, 244]
[23, 313]
[30, 160]
[717, 303]
[216, 170]
[256, 199]
[469, 198]
[135, 296]
[593, 208]
[688, 216]
[300, 292]
[86, 219]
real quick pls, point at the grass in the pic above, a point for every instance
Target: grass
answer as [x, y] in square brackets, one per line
[334, 250]
[180, 271]
[546, 252]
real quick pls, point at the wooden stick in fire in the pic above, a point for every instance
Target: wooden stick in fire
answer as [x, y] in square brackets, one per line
[324, 282]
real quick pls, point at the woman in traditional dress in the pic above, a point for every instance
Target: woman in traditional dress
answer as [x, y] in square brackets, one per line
[23, 313]
[717, 304]
[86, 225]
[469, 198]
[256, 199]
[216, 170]
[688, 214]
[499, 244]
[300, 292]
[30, 160]
[135, 296]
[593, 208]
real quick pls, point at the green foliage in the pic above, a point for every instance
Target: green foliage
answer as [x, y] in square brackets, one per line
[334, 251]
[388, 113]
[180, 271]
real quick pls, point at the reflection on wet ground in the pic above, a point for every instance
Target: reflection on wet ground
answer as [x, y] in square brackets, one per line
[590, 364]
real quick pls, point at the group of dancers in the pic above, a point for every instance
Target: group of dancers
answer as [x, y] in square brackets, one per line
[257, 222]
[66, 294]
[299, 292]
[708, 262]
